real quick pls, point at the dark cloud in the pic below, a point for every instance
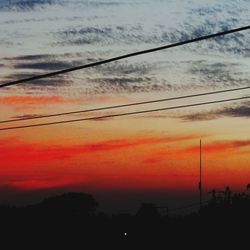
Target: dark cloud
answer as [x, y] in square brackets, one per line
[206, 11]
[239, 111]
[29, 57]
[52, 59]
[40, 62]
[26, 5]
[224, 74]
[242, 110]
[17, 76]
[129, 85]
[56, 65]
[59, 80]
[31, 5]
[101, 4]
[123, 69]
[31, 65]
[232, 8]
[119, 77]
[205, 68]
[200, 117]
[27, 116]
[105, 35]
[236, 43]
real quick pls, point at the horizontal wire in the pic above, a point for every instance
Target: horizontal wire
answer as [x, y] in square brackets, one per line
[123, 105]
[123, 114]
[113, 59]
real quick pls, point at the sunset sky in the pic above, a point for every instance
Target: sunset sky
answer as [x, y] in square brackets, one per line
[125, 160]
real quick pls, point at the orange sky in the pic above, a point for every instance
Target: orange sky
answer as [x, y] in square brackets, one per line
[133, 153]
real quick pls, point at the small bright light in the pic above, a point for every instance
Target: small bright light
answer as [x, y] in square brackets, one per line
[125, 234]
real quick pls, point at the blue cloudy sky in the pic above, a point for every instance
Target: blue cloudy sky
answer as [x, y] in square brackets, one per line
[39, 36]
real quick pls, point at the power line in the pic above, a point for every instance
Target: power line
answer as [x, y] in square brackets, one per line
[51, 74]
[182, 207]
[124, 105]
[187, 206]
[123, 114]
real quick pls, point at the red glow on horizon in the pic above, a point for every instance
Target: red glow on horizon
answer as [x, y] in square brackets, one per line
[135, 163]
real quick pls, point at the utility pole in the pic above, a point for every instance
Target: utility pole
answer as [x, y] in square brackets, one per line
[200, 182]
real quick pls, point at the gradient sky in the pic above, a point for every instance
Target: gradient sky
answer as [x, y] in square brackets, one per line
[129, 159]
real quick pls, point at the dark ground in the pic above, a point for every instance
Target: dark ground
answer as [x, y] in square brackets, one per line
[70, 221]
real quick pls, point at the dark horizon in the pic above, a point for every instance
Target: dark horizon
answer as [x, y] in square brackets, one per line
[111, 202]
[72, 218]
[121, 201]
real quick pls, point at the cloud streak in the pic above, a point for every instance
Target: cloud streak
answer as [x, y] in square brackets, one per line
[211, 149]
[28, 152]
[121, 77]
[242, 110]
[25, 5]
[220, 146]
[219, 73]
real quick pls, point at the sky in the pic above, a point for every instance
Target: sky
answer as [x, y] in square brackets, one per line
[125, 160]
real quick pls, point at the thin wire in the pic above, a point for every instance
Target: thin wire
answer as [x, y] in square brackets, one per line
[187, 206]
[124, 56]
[123, 114]
[123, 105]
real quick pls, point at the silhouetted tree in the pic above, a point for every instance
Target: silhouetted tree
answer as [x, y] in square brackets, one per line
[74, 203]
